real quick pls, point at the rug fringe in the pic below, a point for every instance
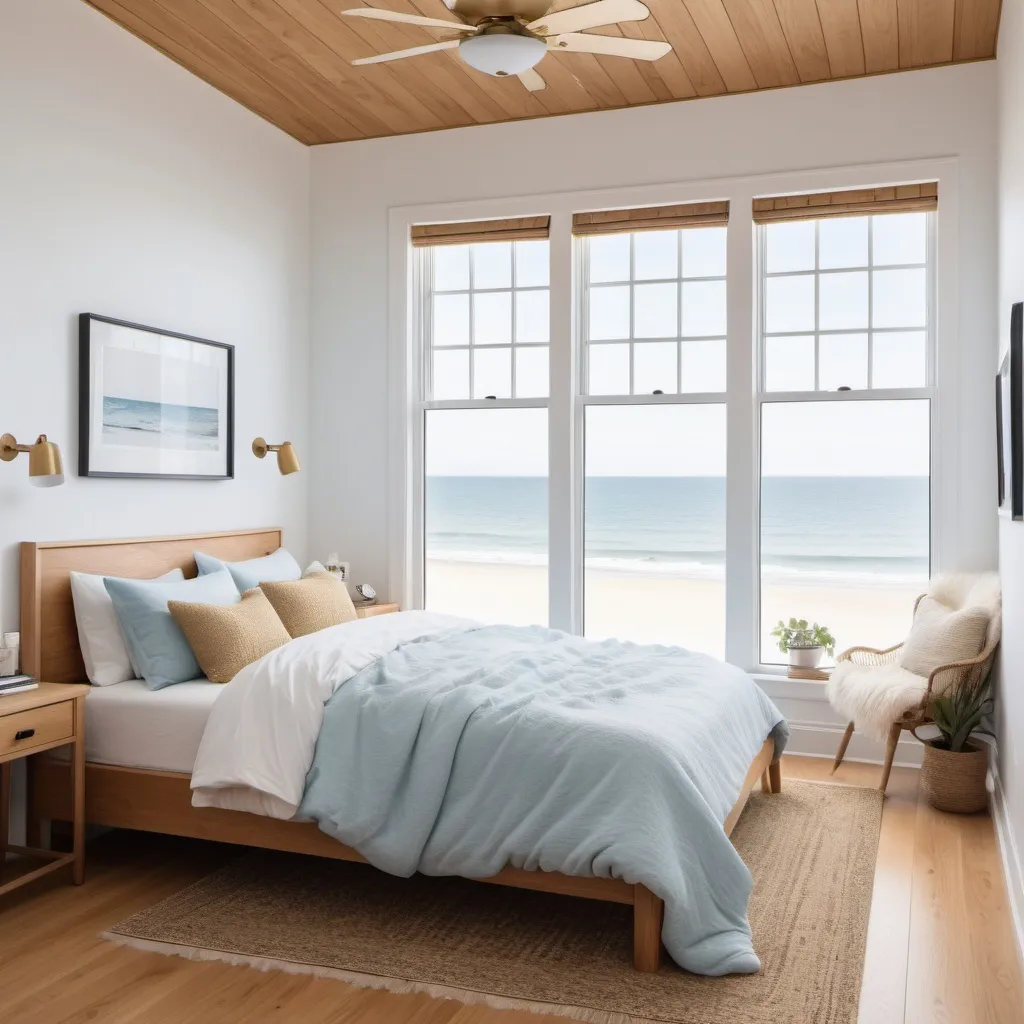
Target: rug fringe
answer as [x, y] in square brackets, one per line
[376, 981]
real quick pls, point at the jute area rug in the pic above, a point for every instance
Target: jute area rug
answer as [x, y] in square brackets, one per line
[811, 849]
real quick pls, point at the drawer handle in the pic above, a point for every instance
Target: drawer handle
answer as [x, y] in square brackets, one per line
[24, 734]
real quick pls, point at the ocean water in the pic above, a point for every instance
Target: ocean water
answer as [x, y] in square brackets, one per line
[160, 424]
[869, 529]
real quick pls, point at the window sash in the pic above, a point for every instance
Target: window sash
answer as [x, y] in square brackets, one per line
[582, 286]
[423, 286]
[929, 265]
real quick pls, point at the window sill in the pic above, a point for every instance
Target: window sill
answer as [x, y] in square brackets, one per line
[781, 686]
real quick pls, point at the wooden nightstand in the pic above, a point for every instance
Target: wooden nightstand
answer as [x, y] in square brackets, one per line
[51, 716]
[367, 611]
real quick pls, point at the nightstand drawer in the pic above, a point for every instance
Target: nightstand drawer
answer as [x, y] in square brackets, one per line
[36, 727]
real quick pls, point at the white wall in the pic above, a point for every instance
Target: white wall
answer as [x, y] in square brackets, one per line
[941, 113]
[1010, 698]
[131, 189]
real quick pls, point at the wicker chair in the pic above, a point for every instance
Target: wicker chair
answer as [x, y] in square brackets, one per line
[971, 671]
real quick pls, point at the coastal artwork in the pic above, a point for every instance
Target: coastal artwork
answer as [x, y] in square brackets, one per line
[159, 424]
[154, 403]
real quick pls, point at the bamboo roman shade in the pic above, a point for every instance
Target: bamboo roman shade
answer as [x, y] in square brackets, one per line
[651, 218]
[890, 199]
[515, 229]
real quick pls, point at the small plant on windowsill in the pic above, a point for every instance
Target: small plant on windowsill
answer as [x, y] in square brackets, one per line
[804, 642]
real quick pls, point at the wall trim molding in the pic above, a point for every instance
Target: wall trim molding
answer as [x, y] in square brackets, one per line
[821, 739]
[1013, 869]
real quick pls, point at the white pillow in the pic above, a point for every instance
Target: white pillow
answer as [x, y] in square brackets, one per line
[941, 635]
[104, 650]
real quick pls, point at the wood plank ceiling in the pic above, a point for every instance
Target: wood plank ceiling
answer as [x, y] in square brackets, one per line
[288, 60]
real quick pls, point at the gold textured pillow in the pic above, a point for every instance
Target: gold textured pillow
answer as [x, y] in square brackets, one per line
[313, 603]
[226, 638]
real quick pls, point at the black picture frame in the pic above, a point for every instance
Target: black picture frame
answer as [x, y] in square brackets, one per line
[86, 410]
[1003, 485]
[1010, 419]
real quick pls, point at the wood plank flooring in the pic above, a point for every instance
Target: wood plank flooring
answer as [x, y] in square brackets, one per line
[941, 948]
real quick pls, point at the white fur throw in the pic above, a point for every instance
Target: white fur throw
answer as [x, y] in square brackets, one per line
[873, 697]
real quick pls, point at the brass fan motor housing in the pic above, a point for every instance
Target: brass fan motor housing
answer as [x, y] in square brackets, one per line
[473, 12]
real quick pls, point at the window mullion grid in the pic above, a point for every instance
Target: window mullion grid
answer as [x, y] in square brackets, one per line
[632, 304]
[817, 306]
[425, 383]
[679, 315]
[871, 302]
[931, 335]
[472, 325]
[512, 340]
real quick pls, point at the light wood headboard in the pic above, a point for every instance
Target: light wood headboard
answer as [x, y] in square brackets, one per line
[49, 636]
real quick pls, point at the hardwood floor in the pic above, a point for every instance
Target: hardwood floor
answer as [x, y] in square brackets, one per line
[941, 948]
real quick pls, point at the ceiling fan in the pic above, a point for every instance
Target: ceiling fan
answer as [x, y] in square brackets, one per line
[509, 37]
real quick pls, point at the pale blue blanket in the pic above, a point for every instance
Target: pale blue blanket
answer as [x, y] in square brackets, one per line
[460, 753]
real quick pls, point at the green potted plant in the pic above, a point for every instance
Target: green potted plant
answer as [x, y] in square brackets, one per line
[803, 642]
[955, 766]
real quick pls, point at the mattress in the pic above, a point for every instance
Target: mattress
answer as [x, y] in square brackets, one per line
[128, 725]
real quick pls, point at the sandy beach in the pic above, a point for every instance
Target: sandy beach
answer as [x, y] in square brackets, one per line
[670, 609]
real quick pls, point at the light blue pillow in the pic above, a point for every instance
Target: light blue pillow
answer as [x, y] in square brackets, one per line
[158, 646]
[273, 568]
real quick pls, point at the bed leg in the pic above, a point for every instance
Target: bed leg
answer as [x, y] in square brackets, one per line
[766, 784]
[648, 913]
[775, 777]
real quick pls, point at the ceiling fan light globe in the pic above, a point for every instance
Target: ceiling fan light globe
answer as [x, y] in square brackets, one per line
[502, 54]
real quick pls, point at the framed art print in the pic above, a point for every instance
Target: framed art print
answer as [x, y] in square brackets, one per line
[1003, 485]
[153, 403]
[1010, 420]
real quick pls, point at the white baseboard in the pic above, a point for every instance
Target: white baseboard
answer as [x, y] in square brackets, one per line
[816, 728]
[1013, 870]
[821, 739]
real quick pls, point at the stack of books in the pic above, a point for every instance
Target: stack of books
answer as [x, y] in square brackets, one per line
[17, 684]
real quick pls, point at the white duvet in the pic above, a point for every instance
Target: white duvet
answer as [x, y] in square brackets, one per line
[261, 734]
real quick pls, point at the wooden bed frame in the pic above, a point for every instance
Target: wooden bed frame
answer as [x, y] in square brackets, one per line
[158, 801]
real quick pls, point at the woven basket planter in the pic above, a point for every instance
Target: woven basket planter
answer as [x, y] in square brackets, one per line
[955, 781]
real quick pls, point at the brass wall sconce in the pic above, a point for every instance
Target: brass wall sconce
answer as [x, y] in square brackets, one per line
[45, 468]
[287, 460]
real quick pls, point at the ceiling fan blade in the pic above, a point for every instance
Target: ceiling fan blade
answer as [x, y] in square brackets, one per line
[613, 46]
[415, 51]
[407, 19]
[602, 12]
[531, 80]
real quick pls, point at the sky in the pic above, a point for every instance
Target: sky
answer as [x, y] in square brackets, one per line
[870, 438]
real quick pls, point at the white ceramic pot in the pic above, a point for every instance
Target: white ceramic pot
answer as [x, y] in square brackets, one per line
[804, 657]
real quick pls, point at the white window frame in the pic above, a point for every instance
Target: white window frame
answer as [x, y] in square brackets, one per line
[949, 535]
[929, 391]
[583, 399]
[422, 329]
